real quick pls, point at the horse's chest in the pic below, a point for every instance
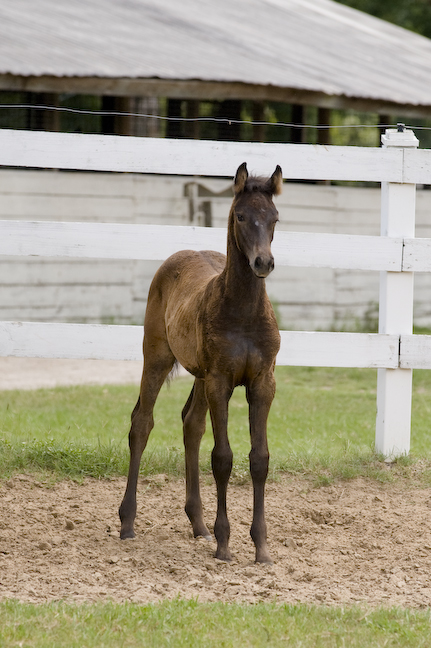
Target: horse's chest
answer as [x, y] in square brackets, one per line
[242, 354]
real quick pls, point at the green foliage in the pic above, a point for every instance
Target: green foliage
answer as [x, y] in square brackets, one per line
[343, 136]
[192, 624]
[414, 15]
[321, 425]
[410, 14]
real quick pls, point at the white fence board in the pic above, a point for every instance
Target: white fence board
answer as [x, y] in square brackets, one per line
[154, 242]
[307, 249]
[314, 349]
[417, 166]
[104, 240]
[415, 352]
[97, 341]
[417, 255]
[75, 341]
[199, 157]
[398, 165]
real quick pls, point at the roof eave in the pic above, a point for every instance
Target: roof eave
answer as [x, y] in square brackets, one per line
[204, 90]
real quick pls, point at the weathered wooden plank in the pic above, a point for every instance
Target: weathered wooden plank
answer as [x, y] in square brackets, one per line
[417, 166]
[33, 271]
[39, 182]
[48, 207]
[417, 255]
[152, 242]
[83, 312]
[298, 348]
[163, 187]
[302, 286]
[415, 352]
[199, 157]
[91, 300]
[310, 316]
[62, 184]
[310, 219]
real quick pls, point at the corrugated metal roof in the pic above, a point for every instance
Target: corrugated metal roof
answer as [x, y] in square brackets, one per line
[311, 45]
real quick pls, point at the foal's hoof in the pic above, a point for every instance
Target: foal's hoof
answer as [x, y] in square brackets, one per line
[127, 534]
[264, 562]
[264, 559]
[225, 555]
[201, 531]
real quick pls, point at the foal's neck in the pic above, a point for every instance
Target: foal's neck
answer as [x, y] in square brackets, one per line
[242, 289]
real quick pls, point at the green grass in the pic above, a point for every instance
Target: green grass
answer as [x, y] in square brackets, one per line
[321, 424]
[188, 624]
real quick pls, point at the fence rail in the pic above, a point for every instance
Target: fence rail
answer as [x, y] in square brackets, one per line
[398, 165]
[157, 242]
[204, 158]
[120, 342]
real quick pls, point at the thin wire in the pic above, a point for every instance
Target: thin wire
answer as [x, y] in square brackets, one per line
[218, 120]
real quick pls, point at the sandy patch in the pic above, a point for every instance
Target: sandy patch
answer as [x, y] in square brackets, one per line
[351, 542]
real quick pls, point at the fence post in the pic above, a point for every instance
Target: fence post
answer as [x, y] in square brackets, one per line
[394, 386]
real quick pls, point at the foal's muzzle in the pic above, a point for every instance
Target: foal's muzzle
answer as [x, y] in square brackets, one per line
[263, 266]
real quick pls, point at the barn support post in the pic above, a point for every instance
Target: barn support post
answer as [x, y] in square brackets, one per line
[394, 386]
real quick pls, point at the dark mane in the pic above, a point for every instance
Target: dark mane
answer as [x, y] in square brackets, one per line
[258, 183]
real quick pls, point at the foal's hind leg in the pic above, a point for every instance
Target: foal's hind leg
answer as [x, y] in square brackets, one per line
[156, 369]
[194, 415]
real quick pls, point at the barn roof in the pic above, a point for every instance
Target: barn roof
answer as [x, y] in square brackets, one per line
[304, 51]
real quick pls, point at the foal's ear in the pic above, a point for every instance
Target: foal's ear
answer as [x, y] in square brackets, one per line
[277, 181]
[240, 178]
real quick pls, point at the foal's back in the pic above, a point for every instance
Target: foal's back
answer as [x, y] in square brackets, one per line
[175, 302]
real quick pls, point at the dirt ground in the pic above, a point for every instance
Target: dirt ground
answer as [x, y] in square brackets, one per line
[353, 542]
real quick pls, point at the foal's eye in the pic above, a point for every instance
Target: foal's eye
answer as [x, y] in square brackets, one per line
[240, 217]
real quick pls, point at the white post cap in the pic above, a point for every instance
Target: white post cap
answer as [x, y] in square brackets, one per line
[400, 137]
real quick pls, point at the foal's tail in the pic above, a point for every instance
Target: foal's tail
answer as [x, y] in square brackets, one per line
[173, 373]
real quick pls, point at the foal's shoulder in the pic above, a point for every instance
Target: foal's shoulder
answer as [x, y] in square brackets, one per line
[193, 260]
[216, 260]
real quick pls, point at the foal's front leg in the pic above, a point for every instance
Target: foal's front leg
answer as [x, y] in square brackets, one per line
[218, 395]
[260, 395]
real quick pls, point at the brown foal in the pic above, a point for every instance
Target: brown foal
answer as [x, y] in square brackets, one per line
[211, 313]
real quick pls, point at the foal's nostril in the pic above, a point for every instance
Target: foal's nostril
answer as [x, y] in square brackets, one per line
[263, 267]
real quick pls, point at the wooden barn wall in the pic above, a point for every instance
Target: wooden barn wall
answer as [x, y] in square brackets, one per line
[62, 290]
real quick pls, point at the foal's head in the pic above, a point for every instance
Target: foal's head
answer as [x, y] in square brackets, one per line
[253, 217]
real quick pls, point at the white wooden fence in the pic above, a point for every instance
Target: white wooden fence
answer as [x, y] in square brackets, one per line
[398, 165]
